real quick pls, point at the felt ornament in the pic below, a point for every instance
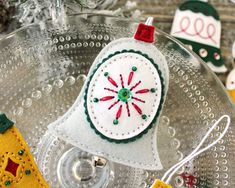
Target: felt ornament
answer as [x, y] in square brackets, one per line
[17, 166]
[117, 112]
[197, 25]
[230, 82]
[118, 109]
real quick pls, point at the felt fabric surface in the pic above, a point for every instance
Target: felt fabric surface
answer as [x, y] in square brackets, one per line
[17, 166]
[160, 184]
[75, 128]
[230, 82]
[125, 109]
[198, 26]
[204, 8]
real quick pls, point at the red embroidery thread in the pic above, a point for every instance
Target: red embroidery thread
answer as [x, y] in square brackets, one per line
[133, 87]
[112, 105]
[128, 109]
[142, 91]
[108, 89]
[197, 28]
[119, 112]
[137, 108]
[130, 77]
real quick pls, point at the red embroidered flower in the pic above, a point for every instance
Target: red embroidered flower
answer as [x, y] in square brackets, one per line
[128, 95]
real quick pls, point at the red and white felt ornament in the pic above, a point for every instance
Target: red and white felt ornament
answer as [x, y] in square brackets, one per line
[119, 106]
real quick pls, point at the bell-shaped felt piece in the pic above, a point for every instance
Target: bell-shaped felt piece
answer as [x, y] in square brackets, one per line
[197, 25]
[118, 109]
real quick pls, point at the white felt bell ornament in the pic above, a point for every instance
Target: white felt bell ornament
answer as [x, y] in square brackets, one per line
[230, 82]
[118, 109]
[197, 25]
[117, 112]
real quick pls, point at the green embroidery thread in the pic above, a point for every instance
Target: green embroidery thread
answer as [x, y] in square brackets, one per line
[156, 115]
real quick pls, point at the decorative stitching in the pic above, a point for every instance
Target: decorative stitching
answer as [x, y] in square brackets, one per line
[27, 156]
[123, 90]
[13, 131]
[4, 158]
[158, 110]
[63, 134]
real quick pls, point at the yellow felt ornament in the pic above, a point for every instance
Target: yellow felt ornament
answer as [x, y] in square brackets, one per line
[17, 166]
[230, 84]
[160, 184]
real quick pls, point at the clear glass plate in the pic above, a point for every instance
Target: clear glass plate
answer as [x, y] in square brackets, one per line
[42, 69]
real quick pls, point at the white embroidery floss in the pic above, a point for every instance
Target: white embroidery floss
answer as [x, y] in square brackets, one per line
[197, 151]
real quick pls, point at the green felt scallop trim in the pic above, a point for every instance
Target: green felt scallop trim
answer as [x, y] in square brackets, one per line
[5, 123]
[211, 50]
[157, 113]
[200, 7]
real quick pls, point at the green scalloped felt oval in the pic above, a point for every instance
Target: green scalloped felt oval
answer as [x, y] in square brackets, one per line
[157, 113]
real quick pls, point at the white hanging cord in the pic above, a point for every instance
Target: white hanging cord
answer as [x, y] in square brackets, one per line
[149, 21]
[195, 152]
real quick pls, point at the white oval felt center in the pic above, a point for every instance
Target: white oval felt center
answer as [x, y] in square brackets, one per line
[128, 115]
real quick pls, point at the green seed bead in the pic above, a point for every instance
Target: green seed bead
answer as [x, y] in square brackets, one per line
[153, 90]
[21, 152]
[134, 68]
[144, 116]
[106, 74]
[96, 100]
[7, 183]
[115, 122]
[124, 95]
[27, 172]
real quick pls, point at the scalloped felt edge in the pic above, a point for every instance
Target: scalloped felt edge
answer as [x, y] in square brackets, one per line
[157, 113]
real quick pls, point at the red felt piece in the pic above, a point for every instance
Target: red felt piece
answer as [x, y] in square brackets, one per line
[12, 167]
[145, 33]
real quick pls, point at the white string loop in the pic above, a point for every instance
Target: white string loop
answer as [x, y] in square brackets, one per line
[149, 21]
[196, 151]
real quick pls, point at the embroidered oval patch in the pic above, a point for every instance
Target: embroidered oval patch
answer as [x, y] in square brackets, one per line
[124, 96]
